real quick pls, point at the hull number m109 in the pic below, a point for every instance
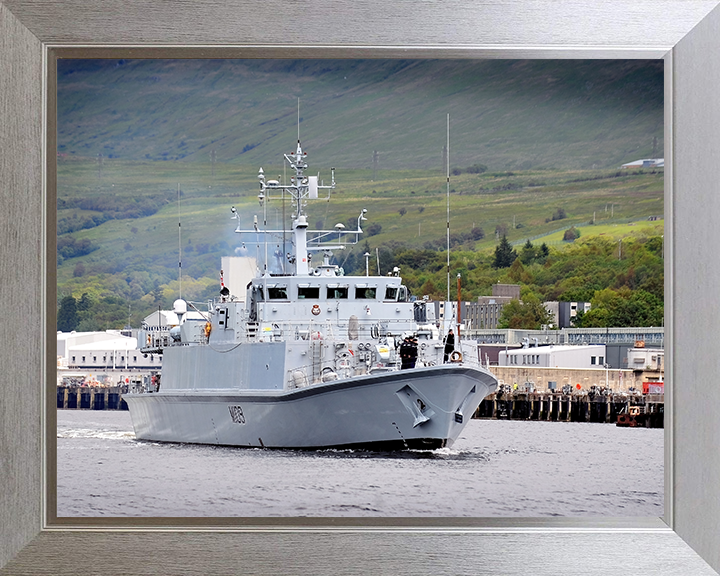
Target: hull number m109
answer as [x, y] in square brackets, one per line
[236, 413]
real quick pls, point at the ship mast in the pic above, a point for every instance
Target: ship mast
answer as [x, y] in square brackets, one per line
[300, 189]
[300, 225]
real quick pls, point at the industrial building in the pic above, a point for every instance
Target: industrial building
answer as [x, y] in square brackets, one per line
[591, 356]
[564, 313]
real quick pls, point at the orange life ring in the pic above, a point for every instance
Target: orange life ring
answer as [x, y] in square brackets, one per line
[456, 356]
[315, 309]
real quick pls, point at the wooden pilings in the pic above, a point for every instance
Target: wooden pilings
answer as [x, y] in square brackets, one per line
[558, 407]
[91, 398]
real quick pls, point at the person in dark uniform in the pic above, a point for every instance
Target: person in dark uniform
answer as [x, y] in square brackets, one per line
[413, 352]
[408, 353]
[449, 345]
[405, 353]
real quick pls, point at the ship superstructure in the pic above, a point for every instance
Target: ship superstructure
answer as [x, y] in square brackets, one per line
[310, 357]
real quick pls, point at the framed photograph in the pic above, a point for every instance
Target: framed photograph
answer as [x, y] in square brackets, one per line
[382, 124]
[33, 540]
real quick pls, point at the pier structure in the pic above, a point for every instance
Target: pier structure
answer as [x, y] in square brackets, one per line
[91, 398]
[599, 406]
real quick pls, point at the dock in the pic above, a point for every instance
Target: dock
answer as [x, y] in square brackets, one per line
[91, 397]
[574, 407]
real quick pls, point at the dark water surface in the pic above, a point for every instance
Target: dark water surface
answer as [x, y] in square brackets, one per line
[496, 468]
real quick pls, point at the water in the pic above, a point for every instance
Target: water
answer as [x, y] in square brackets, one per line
[496, 468]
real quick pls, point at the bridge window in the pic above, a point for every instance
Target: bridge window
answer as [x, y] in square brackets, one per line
[391, 293]
[309, 292]
[277, 293]
[336, 292]
[403, 294]
[365, 293]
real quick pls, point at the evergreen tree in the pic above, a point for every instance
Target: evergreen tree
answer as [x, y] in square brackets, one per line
[527, 253]
[504, 254]
[67, 318]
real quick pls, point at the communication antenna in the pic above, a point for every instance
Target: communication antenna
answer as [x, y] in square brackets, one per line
[284, 181]
[179, 243]
[447, 174]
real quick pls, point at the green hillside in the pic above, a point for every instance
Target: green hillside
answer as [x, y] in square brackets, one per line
[535, 149]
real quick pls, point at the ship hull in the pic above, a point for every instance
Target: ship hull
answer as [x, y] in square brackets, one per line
[422, 408]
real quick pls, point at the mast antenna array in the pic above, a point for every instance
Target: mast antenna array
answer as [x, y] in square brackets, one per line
[300, 189]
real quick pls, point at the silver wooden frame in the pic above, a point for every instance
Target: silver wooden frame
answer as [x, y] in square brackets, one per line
[683, 32]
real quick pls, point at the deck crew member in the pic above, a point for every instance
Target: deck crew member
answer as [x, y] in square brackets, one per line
[449, 345]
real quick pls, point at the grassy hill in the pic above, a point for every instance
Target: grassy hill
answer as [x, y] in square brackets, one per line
[410, 209]
[505, 114]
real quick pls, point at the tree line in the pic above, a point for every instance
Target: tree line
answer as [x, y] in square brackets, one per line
[625, 287]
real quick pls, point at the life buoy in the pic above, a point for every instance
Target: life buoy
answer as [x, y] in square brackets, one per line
[208, 329]
[315, 309]
[456, 356]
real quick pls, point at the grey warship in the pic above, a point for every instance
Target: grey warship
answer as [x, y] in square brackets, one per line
[309, 359]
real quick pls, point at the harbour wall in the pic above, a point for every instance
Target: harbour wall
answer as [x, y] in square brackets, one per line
[597, 407]
[542, 378]
[91, 397]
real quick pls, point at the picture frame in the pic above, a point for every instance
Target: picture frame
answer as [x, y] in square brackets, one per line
[683, 32]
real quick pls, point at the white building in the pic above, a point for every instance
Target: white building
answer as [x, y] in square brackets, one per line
[112, 352]
[102, 351]
[645, 163]
[590, 356]
[642, 358]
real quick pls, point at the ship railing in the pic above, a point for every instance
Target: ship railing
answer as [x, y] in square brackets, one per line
[323, 371]
[307, 375]
[332, 330]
